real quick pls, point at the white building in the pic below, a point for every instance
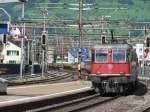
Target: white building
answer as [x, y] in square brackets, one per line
[11, 54]
[140, 51]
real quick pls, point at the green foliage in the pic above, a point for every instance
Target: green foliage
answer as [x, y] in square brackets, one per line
[137, 10]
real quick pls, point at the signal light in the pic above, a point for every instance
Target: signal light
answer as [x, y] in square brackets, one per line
[103, 39]
[147, 42]
[5, 39]
[43, 39]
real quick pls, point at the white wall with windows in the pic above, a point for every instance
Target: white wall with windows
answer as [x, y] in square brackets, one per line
[12, 53]
[140, 51]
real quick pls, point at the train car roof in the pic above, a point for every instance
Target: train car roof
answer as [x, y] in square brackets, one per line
[125, 46]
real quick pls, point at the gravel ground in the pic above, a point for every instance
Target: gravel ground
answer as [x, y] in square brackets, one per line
[135, 102]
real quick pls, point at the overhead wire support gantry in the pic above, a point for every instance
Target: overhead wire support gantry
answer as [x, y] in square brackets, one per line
[80, 21]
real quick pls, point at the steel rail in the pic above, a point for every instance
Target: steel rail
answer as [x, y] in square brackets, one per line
[48, 78]
[31, 104]
[77, 104]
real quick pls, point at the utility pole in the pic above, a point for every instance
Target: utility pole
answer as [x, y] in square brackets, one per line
[80, 36]
[22, 44]
[80, 21]
[62, 51]
[43, 64]
[44, 45]
[33, 53]
[129, 36]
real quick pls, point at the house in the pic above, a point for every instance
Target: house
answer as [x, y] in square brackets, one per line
[11, 53]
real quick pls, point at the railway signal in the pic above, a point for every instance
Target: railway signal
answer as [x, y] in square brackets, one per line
[147, 42]
[44, 43]
[5, 39]
[103, 39]
[43, 39]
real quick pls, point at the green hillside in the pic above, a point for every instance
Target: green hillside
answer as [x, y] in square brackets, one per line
[136, 9]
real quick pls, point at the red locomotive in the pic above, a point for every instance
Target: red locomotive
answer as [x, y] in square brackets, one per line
[113, 67]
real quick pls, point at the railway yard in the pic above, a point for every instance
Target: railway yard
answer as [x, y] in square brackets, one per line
[66, 94]
[74, 56]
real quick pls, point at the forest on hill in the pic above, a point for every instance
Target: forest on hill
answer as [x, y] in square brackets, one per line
[137, 10]
[134, 10]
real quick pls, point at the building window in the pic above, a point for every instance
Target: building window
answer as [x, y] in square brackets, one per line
[17, 53]
[12, 53]
[8, 53]
[12, 62]
[1, 61]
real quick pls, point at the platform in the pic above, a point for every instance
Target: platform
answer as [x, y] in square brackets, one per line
[30, 92]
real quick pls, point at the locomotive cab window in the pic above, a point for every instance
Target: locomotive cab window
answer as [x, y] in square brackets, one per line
[119, 55]
[101, 56]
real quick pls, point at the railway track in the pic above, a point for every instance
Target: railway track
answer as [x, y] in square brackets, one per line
[56, 73]
[35, 104]
[146, 108]
[69, 102]
[77, 104]
[50, 77]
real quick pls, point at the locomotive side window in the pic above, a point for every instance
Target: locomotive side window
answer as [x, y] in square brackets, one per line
[119, 56]
[101, 56]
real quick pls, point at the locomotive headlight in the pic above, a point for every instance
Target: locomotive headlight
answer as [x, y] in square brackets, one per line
[122, 73]
[98, 73]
